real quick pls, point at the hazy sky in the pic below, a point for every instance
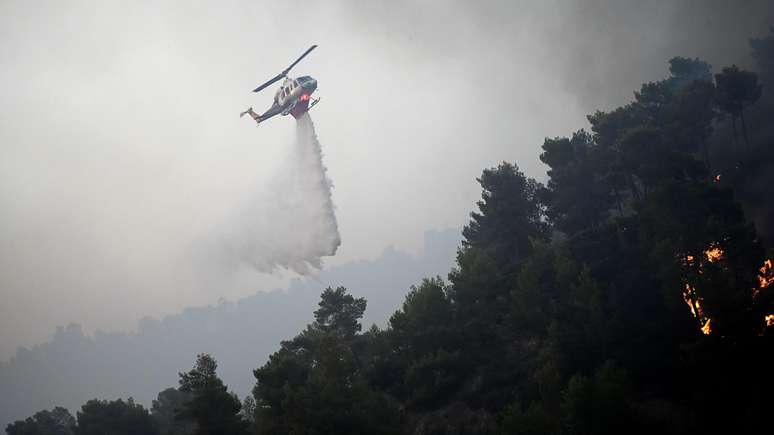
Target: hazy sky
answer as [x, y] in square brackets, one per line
[122, 155]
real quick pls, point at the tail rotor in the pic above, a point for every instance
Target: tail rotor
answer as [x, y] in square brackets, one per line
[252, 114]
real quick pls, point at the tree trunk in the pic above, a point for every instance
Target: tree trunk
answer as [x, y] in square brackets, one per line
[633, 187]
[705, 149]
[618, 201]
[744, 128]
[733, 128]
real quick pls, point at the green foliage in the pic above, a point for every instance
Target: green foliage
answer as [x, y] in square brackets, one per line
[689, 122]
[424, 345]
[212, 408]
[737, 89]
[690, 219]
[510, 213]
[496, 242]
[579, 193]
[424, 324]
[431, 378]
[597, 405]
[99, 417]
[165, 409]
[315, 383]
[685, 71]
[339, 313]
[532, 421]
[248, 409]
[58, 421]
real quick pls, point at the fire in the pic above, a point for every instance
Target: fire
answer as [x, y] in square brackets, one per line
[714, 254]
[694, 303]
[689, 291]
[717, 178]
[766, 275]
[707, 328]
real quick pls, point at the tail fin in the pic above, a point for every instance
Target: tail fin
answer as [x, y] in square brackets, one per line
[252, 114]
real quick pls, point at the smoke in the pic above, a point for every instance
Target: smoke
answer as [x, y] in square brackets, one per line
[293, 224]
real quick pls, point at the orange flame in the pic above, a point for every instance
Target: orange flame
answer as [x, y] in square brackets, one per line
[707, 328]
[714, 254]
[690, 297]
[766, 276]
[717, 178]
[687, 298]
[694, 303]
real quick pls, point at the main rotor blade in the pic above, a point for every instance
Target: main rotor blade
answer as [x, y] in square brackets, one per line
[284, 73]
[263, 86]
[299, 59]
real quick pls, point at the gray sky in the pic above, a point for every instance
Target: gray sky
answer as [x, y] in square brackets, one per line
[122, 155]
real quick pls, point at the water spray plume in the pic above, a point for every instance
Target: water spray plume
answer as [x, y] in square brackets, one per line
[294, 225]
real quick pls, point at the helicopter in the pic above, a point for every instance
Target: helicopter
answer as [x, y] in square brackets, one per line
[293, 97]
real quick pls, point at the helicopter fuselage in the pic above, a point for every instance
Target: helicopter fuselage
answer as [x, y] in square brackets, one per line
[292, 97]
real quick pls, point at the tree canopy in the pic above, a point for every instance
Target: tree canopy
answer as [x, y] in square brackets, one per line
[117, 417]
[211, 407]
[58, 421]
[630, 293]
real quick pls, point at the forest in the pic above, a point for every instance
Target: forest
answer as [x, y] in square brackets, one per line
[630, 293]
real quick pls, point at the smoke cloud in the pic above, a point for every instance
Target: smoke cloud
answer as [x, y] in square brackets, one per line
[293, 224]
[122, 155]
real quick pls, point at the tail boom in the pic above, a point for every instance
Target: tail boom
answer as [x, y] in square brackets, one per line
[252, 114]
